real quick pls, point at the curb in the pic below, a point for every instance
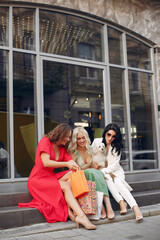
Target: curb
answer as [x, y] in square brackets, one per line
[151, 210]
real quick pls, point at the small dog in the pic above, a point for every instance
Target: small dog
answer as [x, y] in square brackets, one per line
[98, 157]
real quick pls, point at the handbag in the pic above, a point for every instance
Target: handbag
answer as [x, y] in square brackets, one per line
[88, 202]
[78, 183]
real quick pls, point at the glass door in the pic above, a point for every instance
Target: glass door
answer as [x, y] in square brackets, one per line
[73, 94]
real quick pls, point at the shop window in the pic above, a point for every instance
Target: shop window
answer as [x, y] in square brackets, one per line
[4, 117]
[24, 28]
[68, 35]
[25, 127]
[79, 103]
[138, 54]
[115, 46]
[118, 105]
[4, 25]
[142, 122]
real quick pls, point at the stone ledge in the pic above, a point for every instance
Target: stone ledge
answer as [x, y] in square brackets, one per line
[151, 210]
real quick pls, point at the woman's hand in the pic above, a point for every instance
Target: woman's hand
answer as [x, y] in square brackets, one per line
[72, 165]
[95, 165]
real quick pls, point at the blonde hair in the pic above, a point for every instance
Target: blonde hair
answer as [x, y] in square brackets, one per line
[73, 144]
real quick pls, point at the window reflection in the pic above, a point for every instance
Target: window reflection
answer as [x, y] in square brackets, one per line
[24, 28]
[118, 106]
[115, 46]
[4, 24]
[70, 36]
[77, 94]
[24, 113]
[138, 54]
[4, 117]
[142, 121]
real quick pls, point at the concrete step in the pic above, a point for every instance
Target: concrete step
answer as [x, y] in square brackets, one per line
[12, 199]
[144, 198]
[146, 192]
[147, 197]
[28, 232]
[145, 185]
[16, 217]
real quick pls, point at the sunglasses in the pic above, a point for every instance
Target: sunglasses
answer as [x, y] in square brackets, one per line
[110, 135]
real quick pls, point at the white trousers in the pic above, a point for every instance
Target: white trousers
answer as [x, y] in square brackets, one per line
[119, 190]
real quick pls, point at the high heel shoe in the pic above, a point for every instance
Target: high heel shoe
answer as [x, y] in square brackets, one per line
[139, 219]
[85, 222]
[123, 206]
[138, 214]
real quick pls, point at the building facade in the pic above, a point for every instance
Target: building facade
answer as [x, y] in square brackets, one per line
[86, 63]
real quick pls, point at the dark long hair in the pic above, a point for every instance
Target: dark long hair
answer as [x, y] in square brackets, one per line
[59, 132]
[117, 142]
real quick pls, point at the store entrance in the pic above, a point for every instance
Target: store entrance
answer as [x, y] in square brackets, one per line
[73, 94]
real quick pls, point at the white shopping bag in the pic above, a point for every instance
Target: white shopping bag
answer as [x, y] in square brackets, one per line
[99, 207]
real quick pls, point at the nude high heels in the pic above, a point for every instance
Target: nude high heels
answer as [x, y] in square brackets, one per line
[139, 219]
[85, 222]
[138, 214]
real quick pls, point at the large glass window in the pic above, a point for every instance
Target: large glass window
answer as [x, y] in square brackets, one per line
[115, 46]
[142, 121]
[4, 117]
[4, 25]
[73, 94]
[24, 28]
[67, 35]
[24, 113]
[72, 90]
[138, 54]
[118, 106]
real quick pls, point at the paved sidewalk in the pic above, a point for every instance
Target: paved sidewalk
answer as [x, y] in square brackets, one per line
[149, 229]
[121, 228]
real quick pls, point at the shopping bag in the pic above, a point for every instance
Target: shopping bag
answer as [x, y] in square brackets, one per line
[78, 183]
[88, 202]
[97, 216]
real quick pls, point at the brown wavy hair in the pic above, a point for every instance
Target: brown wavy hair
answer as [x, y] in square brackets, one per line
[59, 132]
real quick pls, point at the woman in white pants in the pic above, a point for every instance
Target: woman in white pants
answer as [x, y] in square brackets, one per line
[114, 173]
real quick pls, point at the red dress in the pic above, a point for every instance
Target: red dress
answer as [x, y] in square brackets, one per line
[44, 186]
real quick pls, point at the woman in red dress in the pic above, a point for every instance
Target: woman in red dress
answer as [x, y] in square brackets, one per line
[51, 191]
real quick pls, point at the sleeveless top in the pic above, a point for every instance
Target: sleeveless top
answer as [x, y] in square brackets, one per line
[79, 160]
[92, 174]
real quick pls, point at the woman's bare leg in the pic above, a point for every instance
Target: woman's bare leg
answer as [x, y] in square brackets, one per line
[70, 213]
[71, 201]
[66, 176]
[73, 204]
[109, 210]
[103, 212]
